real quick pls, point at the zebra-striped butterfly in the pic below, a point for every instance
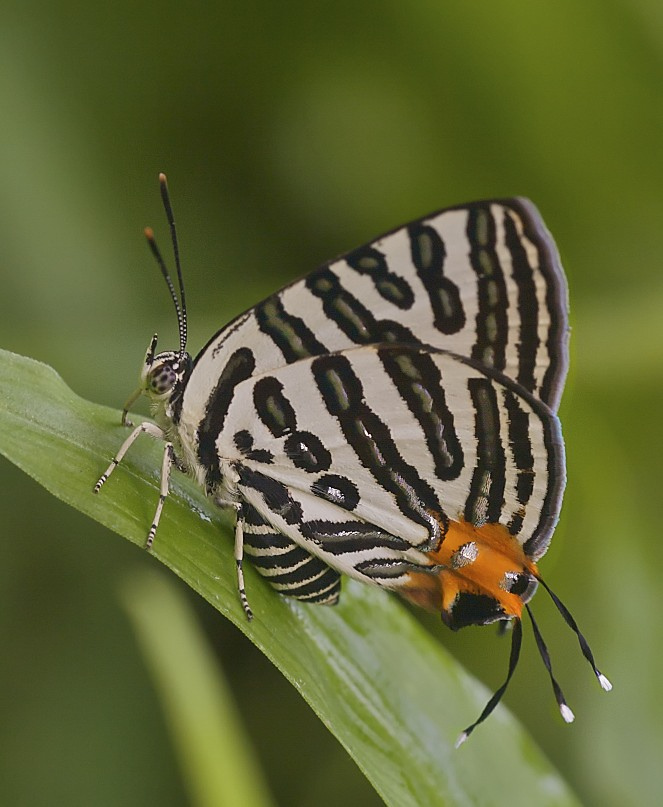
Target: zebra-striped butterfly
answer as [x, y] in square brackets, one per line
[390, 416]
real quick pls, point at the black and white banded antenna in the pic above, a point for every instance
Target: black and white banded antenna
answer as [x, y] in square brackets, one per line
[180, 304]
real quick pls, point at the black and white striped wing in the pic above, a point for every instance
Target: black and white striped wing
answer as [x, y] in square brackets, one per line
[482, 280]
[363, 457]
[406, 385]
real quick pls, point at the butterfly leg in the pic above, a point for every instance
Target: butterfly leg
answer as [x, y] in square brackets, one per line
[239, 557]
[144, 428]
[166, 465]
[168, 460]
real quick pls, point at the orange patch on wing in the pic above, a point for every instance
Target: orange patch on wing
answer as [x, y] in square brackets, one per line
[497, 553]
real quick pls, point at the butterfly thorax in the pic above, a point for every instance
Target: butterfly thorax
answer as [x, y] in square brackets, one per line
[163, 380]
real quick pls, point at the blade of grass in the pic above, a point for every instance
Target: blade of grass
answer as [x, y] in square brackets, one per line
[207, 733]
[381, 684]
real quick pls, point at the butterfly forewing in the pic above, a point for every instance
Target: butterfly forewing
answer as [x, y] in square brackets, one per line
[482, 280]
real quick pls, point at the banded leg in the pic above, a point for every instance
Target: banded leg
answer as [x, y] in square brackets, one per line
[168, 460]
[239, 558]
[166, 465]
[144, 428]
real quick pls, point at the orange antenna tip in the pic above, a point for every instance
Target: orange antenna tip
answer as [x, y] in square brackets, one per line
[149, 233]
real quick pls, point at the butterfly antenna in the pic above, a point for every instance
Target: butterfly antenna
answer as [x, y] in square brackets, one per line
[564, 708]
[149, 235]
[584, 646]
[181, 314]
[516, 641]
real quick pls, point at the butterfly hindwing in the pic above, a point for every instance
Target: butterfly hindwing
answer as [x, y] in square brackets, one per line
[289, 568]
[363, 457]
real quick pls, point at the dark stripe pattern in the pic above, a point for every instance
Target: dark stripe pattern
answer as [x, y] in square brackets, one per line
[391, 287]
[342, 538]
[273, 408]
[244, 443]
[276, 495]
[374, 446]
[351, 316]
[486, 496]
[521, 451]
[238, 368]
[289, 568]
[536, 545]
[528, 305]
[491, 324]
[293, 338]
[428, 256]
[304, 449]
[419, 382]
[440, 346]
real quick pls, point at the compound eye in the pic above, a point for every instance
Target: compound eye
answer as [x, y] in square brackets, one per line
[162, 379]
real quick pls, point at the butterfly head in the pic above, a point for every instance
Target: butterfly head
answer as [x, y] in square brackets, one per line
[162, 373]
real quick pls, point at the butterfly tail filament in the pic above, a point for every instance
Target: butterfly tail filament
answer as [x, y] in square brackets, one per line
[516, 642]
[564, 708]
[584, 645]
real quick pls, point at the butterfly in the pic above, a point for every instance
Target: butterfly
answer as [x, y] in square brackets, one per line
[391, 416]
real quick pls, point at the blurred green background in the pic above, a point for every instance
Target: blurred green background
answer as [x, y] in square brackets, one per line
[290, 133]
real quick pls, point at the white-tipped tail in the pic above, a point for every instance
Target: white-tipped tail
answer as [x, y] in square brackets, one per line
[461, 739]
[567, 714]
[605, 683]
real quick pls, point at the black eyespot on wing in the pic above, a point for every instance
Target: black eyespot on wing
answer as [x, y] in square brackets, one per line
[519, 583]
[243, 441]
[338, 490]
[272, 406]
[472, 609]
[307, 452]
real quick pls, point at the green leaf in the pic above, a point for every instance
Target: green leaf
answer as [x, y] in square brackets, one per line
[391, 695]
[215, 756]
